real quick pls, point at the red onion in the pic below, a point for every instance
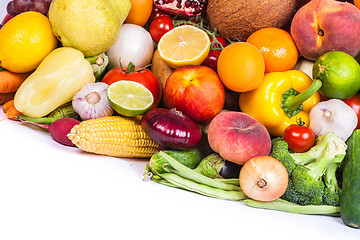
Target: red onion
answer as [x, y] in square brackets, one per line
[171, 128]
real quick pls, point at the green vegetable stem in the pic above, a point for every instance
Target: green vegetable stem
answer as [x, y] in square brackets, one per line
[65, 110]
[99, 64]
[285, 206]
[175, 174]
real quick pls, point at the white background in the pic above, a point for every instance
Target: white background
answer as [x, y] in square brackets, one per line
[49, 191]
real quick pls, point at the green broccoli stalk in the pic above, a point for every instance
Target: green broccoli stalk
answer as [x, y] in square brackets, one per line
[332, 190]
[309, 171]
[307, 179]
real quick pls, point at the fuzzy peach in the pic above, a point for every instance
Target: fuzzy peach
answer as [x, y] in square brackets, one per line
[238, 137]
[321, 26]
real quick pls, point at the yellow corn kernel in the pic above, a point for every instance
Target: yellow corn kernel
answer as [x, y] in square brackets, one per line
[115, 136]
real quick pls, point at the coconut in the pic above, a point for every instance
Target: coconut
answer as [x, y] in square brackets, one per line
[237, 19]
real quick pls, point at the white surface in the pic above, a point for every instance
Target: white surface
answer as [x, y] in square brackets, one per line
[49, 191]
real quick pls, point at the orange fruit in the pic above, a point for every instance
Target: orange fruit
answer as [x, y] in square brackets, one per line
[184, 45]
[278, 48]
[241, 67]
[140, 12]
[357, 3]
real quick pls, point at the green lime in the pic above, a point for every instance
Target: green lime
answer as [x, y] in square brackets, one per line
[339, 73]
[129, 98]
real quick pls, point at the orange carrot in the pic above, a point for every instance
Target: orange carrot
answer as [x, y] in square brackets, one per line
[10, 82]
[10, 111]
[4, 97]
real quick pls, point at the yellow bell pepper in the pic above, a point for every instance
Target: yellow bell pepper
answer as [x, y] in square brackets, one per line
[281, 99]
[59, 76]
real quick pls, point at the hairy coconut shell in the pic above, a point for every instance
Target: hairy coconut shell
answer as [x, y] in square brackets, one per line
[237, 19]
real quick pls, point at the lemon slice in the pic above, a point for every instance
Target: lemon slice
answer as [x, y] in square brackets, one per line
[184, 45]
[129, 98]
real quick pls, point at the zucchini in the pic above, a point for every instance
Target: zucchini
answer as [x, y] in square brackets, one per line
[350, 193]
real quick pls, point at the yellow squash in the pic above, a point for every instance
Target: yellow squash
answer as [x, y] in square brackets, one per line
[281, 99]
[55, 81]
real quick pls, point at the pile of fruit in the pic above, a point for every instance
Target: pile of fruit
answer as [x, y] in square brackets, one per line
[219, 98]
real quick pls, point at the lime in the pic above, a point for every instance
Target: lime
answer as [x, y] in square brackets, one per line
[339, 73]
[129, 98]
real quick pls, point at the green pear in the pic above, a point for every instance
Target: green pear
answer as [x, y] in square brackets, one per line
[91, 26]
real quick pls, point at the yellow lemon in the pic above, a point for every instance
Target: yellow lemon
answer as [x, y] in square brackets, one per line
[184, 45]
[25, 41]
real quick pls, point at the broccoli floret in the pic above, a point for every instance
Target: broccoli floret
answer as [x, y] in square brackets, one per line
[308, 172]
[308, 178]
[280, 151]
[332, 189]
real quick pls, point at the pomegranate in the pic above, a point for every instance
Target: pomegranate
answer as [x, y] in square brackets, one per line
[188, 8]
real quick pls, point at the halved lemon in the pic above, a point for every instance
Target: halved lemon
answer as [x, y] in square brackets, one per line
[184, 45]
[129, 98]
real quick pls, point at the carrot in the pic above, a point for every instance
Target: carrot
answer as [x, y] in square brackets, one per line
[10, 82]
[10, 111]
[4, 97]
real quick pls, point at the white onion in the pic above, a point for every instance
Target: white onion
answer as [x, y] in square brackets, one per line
[333, 116]
[134, 44]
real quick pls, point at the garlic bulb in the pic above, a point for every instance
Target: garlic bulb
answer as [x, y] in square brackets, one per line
[91, 101]
[333, 116]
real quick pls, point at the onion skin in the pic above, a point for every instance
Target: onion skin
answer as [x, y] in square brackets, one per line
[171, 128]
[263, 178]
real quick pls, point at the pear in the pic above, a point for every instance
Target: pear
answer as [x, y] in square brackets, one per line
[91, 26]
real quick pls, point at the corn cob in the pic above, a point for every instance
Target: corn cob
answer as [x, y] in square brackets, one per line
[115, 136]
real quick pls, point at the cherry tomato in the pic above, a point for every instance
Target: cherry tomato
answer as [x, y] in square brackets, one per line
[159, 27]
[299, 138]
[354, 103]
[156, 12]
[213, 55]
[220, 40]
[212, 59]
[141, 75]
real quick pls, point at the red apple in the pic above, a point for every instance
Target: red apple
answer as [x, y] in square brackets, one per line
[238, 137]
[197, 91]
[321, 26]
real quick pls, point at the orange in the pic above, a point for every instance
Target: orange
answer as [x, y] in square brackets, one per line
[241, 67]
[184, 45]
[278, 48]
[140, 12]
[357, 3]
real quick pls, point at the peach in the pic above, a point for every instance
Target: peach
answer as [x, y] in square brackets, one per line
[321, 26]
[238, 137]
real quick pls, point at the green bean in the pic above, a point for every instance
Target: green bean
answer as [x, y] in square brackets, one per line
[203, 189]
[285, 206]
[185, 172]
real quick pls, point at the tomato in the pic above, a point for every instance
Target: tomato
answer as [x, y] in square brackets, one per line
[159, 27]
[354, 103]
[213, 56]
[140, 75]
[212, 59]
[220, 40]
[299, 138]
[140, 12]
[156, 12]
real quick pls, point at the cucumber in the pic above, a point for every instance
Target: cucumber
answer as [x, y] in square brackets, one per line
[350, 193]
